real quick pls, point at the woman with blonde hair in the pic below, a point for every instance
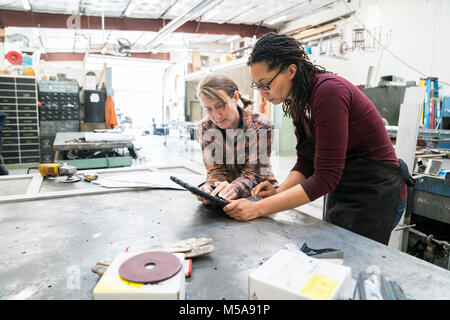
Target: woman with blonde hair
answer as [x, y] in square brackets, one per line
[236, 142]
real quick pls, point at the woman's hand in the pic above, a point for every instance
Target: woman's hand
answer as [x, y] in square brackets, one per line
[225, 190]
[263, 190]
[207, 189]
[242, 209]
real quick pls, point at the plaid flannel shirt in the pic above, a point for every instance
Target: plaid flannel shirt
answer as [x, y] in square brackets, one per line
[243, 175]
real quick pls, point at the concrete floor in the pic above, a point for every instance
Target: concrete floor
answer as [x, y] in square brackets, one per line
[181, 151]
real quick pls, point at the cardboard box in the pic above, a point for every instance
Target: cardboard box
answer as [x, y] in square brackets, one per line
[113, 287]
[292, 275]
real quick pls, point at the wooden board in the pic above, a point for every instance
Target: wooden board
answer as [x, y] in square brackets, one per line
[315, 31]
[298, 30]
[307, 27]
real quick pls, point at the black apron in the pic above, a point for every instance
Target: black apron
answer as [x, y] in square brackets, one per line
[365, 199]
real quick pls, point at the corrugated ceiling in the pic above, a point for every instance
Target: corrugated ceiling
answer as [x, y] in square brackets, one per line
[251, 12]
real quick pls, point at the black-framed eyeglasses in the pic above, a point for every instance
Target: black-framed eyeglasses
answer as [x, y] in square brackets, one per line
[266, 86]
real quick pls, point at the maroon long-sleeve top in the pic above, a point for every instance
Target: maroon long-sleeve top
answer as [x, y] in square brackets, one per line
[345, 122]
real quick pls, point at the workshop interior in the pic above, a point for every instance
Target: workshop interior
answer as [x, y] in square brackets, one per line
[103, 174]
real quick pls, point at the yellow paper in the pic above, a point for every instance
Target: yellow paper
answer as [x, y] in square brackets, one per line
[111, 285]
[319, 287]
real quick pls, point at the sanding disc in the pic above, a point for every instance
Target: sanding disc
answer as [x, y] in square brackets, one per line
[166, 265]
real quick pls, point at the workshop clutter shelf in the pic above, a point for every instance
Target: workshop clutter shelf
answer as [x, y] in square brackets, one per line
[60, 112]
[88, 150]
[21, 131]
[431, 113]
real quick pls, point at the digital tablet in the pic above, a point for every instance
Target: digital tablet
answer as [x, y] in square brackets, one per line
[218, 201]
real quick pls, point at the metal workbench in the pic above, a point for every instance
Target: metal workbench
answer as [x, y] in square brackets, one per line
[429, 201]
[47, 246]
[67, 141]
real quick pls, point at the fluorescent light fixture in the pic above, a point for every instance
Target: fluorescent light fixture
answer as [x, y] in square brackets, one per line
[278, 19]
[26, 5]
[130, 8]
[197, 10]
[232, 38]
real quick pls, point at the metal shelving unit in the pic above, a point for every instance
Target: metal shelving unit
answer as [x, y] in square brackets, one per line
[18, 100]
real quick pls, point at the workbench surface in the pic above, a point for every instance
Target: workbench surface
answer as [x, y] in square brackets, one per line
[44, 244]
[65, 141]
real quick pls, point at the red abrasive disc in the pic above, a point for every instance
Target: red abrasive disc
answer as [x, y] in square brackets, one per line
[166, 265]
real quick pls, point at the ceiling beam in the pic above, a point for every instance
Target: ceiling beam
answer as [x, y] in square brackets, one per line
[11, 18]
[79, 56]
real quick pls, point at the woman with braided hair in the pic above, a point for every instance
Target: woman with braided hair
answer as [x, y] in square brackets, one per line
[343, 149]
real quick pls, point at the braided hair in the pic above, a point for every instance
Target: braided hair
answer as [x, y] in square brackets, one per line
[280, 51]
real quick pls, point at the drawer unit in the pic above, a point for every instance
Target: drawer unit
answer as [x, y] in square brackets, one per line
[60, 101]
[20, 120]
[46, 148]
[7, 100]
[56, 113]
[9, 134]
[29, 140]
[18, 100]
[8, 107]
[28, 120]
[10, 127]
[9, 148]
[22, 141]
[11, 121]
[47, 142]
[28, 127]
[8, 141]
[47, 156]
[30, 160]
[23, 107]
[28, 134]
[27, 114]
[51, 128]
[58, 86]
